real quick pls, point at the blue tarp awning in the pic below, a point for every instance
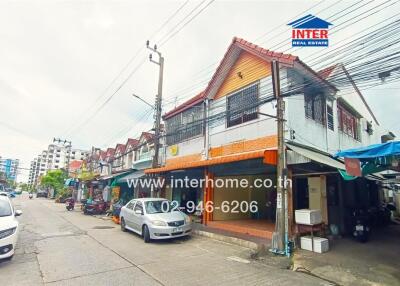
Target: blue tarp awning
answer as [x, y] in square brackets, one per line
[69, 182]
[372, 151]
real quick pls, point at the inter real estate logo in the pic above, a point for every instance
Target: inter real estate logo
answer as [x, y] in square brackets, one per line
[310, 31]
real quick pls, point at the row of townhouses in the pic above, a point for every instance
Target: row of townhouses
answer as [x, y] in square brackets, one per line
[229, 131]
[135, 154]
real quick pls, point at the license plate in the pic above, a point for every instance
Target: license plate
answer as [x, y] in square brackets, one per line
[359, 227]
[177, 229]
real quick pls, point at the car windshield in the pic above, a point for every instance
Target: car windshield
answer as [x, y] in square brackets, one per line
[5, 208]
[162, 206]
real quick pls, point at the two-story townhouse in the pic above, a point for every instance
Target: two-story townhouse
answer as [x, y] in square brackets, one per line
[129, 157]
[227, 132]
[118, 162]
[93, 160]
[98, 163]
[106, 168]
[144, 151]
[129, 162]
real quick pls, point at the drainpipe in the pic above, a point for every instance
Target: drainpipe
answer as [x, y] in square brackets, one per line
[206, 131]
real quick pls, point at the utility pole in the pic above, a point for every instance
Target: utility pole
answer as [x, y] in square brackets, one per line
[279, 238]
[158, 103]
[68, 148]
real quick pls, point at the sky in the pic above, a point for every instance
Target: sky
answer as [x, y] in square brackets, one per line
[60, 61]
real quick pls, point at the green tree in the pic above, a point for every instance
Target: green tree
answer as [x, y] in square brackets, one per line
[54, 179]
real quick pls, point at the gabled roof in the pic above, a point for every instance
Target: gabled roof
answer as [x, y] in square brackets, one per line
[131, 143]
[102, 155]
[326, 72]
[147, 136]
[236, 47]
[120, 148]
[310, 22]
[110, 153]
[75, 165]
[186, 105]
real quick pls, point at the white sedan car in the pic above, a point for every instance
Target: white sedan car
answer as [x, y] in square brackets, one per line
[8, 228]
[154, 218]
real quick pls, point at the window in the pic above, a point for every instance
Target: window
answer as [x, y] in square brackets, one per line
[314, 106]
[5, 208]
[329, 112]
[185, 125]
[130, 205]
[160, 206]
[138, 207]
[348, 123]
[242, 106]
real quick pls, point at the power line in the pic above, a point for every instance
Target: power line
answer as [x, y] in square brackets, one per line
[186, 23]
[341, 11]
[131, 60]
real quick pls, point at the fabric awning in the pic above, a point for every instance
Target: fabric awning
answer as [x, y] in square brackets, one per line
[213, 161]
[134, 175]
[372, 151]
[316, 156]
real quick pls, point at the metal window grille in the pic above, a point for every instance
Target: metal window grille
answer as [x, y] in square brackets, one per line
[242, 106]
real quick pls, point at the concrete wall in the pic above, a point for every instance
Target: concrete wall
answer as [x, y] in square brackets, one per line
[188, 147]
[307, 131]
[317, 135]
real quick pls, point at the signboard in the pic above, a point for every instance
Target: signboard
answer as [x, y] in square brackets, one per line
[173, 150]
[310, 31]
[278, 200]
[353, 167]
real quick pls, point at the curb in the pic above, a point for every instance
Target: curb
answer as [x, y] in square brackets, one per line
[232, 240]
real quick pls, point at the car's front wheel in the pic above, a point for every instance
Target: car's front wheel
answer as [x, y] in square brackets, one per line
[123, 226]
[146, 234]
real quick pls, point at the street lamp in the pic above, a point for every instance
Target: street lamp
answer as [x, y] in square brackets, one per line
[138, 97]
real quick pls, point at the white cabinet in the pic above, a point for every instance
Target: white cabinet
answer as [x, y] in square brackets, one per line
[320, 244]
[308, 217]
[306, 243]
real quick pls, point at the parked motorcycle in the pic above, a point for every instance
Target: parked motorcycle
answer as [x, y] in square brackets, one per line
[361, 226]
[116, 208]
[95, 207]
[70, 204]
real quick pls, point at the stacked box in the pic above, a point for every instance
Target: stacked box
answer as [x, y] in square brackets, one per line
[308, 217]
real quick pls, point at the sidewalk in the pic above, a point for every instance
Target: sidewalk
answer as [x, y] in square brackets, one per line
[352, 263]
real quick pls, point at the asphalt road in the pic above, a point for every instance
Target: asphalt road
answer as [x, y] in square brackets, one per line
[57, 247]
